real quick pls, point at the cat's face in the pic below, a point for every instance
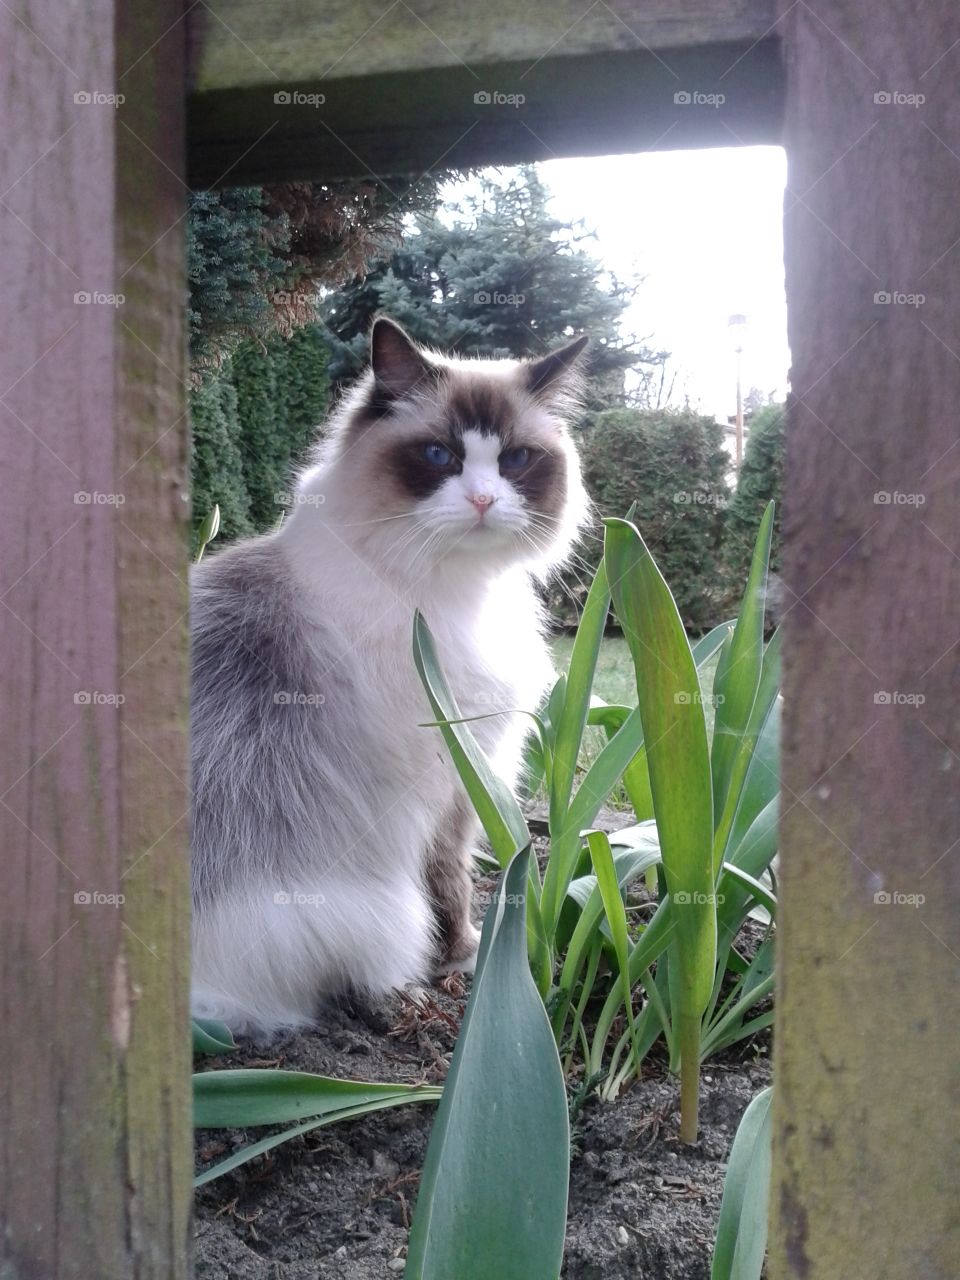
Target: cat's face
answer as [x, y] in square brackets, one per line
[466, 457]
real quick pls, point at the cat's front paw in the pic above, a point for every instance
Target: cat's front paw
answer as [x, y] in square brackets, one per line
[460, 955]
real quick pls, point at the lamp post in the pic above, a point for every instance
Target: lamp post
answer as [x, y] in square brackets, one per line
[737, 324]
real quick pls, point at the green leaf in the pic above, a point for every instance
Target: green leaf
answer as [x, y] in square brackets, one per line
[495, 805]
[629, 864]
[276, 1139]
[604, 773]
[757, 890]
[728, 1027]
[742, 1229]
[576, 701]
[738, 671]
[550, 713]
[708, 645]
[608, 715]
[244, 1097]
[675, 737]
[597, 783]
[211, 1037]
[678, 760]
[208, 530]
[753, 854]
[651, 945]
[745, 758]
[762, 782]
[642, 853]
[601, 855]
[493, 1192]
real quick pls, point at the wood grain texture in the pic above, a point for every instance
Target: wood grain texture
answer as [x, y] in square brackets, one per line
[94, 1056]
[365, 89]
[245, 43]
[867, 1103]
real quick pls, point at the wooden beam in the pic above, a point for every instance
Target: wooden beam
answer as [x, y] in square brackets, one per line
[867, 1102]
[295, 90]
[95, 1159]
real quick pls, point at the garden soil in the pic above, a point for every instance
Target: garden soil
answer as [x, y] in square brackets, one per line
[337, 1202]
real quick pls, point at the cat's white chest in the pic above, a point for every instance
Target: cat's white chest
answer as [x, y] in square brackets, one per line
[498, 668]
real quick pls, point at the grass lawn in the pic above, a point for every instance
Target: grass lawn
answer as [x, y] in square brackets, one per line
[614, 680]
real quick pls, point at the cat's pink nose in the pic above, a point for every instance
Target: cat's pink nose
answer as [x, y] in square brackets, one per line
[481, 501]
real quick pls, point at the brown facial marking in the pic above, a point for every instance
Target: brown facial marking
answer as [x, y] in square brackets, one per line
[480, 406]
[541, 483]
[416, 474]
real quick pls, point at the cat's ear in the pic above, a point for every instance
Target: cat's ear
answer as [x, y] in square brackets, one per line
[398, 366]
[557, 371]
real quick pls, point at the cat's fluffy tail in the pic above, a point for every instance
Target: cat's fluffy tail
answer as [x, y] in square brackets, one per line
[261, 963]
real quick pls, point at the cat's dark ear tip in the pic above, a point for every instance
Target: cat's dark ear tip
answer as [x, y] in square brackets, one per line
[399, 366]
[557, 367]
[384, 326]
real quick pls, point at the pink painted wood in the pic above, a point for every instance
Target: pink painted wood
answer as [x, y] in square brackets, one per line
[867, 1108]
[94, 1057]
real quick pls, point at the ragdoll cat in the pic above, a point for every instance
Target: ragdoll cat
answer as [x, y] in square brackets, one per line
[331, 835]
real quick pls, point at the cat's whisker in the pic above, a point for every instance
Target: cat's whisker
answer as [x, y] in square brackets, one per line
[357, 524]
[405, 542]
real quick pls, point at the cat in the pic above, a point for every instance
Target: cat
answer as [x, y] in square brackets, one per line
[331, 836]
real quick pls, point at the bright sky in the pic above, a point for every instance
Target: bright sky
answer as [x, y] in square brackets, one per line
[704, 230]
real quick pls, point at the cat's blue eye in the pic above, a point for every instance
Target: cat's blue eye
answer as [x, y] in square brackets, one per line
[514, 459]
[438, 455]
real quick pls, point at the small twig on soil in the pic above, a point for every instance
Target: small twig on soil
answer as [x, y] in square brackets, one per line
[231, 1208]
[453, 985]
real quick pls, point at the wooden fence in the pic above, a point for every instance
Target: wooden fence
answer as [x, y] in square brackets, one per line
[110, 110]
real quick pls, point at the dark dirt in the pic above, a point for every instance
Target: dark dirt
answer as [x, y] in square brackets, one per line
[337, 1202]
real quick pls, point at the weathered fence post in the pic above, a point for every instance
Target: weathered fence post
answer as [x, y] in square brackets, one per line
[94, 1058]
[94, 1135]
[867, 1117]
